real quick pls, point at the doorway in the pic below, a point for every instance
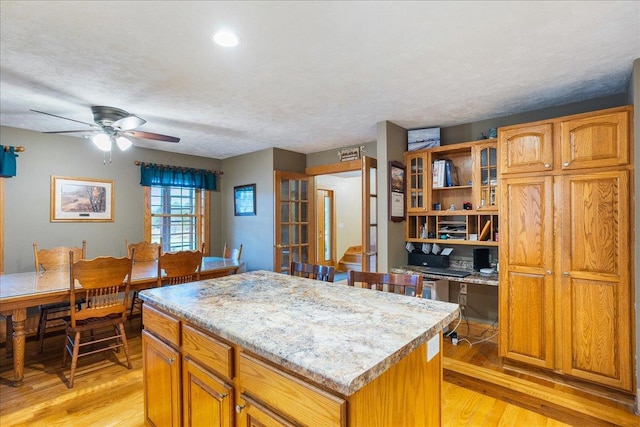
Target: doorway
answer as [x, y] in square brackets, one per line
[325, 227]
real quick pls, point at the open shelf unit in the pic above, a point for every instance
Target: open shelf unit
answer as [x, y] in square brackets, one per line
[466, 211]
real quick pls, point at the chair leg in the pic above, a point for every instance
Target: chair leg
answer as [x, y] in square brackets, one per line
[65, 349]
[125, 345]
[74, 360]
[134, 300]
[42, 326]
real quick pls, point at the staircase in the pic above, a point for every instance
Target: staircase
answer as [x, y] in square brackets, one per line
[351, 260]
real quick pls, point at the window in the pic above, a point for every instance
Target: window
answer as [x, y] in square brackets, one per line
[177, 216]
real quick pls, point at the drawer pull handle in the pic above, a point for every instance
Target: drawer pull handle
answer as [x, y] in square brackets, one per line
[549, 272]
[566, 164]
[547, 165]
[566, 274]
[239, 408]
[170, 360]
[223, 395]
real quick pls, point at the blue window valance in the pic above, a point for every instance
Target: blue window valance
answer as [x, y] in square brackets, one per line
[176, 176]
[7, 161]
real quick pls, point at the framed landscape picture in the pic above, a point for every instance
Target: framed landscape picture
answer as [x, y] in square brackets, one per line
[81, 200]
[418, 139]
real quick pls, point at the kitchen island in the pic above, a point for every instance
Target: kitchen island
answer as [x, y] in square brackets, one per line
[263, 348]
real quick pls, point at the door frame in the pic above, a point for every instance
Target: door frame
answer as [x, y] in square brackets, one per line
[350, 166]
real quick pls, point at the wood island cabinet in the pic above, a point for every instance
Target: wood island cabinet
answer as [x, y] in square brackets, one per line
[565, 270]
[194, 378]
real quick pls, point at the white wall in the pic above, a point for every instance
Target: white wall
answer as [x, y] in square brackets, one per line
[347, 198]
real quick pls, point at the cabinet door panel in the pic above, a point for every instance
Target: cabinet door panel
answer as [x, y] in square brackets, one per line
[597, 141]
[207, 400]
[526, 222]
[161, 373]
[595, 278]
[417, 174]
[526, 280]
[526, 149]
[527, 309]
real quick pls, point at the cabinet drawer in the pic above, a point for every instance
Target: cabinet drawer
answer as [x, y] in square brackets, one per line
[291, 396]
[161, 324]
[209, 351]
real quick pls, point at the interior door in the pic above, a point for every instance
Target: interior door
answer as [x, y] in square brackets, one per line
[325, 228]
[294, 227]
[369, 214]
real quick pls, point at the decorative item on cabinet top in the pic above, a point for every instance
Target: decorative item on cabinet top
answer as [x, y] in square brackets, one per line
[417, 139]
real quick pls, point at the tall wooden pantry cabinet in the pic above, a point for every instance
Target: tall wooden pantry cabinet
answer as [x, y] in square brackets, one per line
[565, 295]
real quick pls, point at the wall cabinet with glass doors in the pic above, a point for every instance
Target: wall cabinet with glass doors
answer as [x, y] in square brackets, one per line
[452, 194]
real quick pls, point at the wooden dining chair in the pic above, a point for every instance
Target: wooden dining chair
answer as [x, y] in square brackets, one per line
[389, 282]
[141, 252]
[55, 258]
[179, 267]
[324, 273]
[105, 312]
[232, 253]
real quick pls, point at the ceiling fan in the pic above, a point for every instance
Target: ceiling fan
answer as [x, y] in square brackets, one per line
[113, 125]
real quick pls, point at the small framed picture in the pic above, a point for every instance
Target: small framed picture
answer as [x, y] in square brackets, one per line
[244, 200]
[396, 191]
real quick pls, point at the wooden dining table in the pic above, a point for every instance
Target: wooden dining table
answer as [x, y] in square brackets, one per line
[19, 291]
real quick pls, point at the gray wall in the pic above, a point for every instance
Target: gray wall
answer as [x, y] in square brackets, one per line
[392, 144]
[471, 131]
[27, 196]
[255, 233]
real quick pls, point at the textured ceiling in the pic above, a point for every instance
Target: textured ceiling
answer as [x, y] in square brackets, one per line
[307, 76]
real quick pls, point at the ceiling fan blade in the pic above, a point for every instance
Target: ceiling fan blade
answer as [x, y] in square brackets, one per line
[73, 131]
[128, 123]
[155, 136]
[66, 118]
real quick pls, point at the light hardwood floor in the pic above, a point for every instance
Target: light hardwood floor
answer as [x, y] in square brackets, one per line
[108, 394]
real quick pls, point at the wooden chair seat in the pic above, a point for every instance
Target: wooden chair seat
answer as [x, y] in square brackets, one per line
[101, 280]
[389, 282]
[323, 273]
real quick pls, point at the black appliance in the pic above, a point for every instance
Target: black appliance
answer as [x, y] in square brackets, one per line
[481, 259]
[431, 260]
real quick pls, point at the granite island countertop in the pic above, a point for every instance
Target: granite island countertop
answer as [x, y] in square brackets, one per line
[335, 335]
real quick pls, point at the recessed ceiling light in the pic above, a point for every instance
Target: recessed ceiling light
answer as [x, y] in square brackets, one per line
[225, 38]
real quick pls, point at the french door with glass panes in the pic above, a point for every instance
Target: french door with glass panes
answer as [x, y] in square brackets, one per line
[294, 227]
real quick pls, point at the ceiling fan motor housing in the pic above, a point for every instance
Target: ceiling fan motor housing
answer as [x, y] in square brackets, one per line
[105, 116]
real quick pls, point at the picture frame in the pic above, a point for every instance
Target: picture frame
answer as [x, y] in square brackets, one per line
[420, 139]
[244, 200]
[397, 185]
[81, 199]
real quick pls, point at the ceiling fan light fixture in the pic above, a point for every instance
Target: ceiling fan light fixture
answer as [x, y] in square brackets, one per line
[225, 38]
[123, 143]
[102, 141]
